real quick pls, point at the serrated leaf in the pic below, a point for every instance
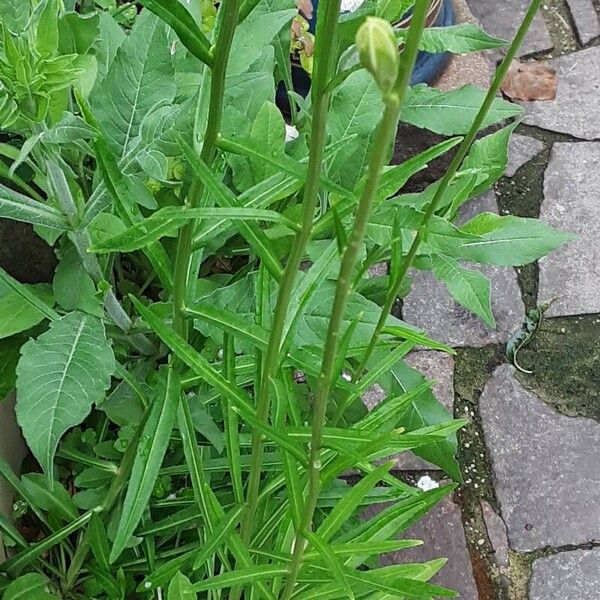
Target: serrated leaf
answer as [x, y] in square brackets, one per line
[471, 289]
[15, 14]
[451, 113]
[151, 451]
[60, 375]
[140, 77]
[507, 240]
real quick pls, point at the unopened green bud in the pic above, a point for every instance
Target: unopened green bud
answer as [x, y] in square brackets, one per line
[378, 52]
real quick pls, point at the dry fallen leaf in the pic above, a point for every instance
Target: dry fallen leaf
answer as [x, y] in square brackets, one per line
[305, 7]
[530, 81]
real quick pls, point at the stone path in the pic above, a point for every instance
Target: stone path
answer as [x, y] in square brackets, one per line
[526, 523]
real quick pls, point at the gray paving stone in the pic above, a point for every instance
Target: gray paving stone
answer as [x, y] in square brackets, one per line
[576, 109]
[496, 530]
[571, 575]
[436, 366]
[443, 535]
[586, 19]
[521, 149]
[503, 18]
[546, 467]
[572, 203]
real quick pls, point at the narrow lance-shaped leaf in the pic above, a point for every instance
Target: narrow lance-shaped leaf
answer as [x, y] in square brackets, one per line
[22, 208]
[151, 451]
[167, 220]
[60, 376]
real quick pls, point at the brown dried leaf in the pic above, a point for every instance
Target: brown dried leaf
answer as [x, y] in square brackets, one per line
[305, 7]
[530, 81]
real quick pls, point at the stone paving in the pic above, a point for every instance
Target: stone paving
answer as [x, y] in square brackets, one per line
[526, 523]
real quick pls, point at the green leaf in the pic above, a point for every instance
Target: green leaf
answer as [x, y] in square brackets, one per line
[356, 108]
[253, 34]
[22, 208]
[51, 497]
[106, 46]
[15, 14]
[18, 562]
[16, 315]
[32, 586]
[73, 288]
[347, 506]
[241, 577]
[451, 113]
[507, 241]
[488, 156]
[183, 24]
[423, 410]
[99, 542]
[218, 535]
[77, 33]
[181, 588]
[140, 77]
[459, 39]
[167, 220]
[60, 376]
[151, 451]
[9, 357]
[471, 289]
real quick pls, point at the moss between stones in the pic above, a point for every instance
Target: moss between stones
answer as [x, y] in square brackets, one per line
[561, 27]
[565, 359]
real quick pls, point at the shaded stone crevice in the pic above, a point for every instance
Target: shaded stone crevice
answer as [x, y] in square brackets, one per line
[549, 136]
[561, 26]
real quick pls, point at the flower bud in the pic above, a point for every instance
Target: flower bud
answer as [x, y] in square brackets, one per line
[378, 52]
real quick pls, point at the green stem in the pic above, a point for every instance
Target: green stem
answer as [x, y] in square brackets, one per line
[325, 58]
[384, 138]
[183, 257]
[443, 185]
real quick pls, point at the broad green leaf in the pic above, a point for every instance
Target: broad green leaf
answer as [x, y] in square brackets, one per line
[459, 39]
[72, 287]
[471, 289]
[423, 410]
[51, 497]
[151, 451]
[182, 22]
[507, 240]
[77, 33]
[9, 357]
[206, 426]
[356, 108]
[60, 376]
[253, 34]
[451, 113]
[32, 586]
[140, 77]
[106, 46]
[181, 588]
[167, 220]
[17, 315]
[15, 14]
[22, 208]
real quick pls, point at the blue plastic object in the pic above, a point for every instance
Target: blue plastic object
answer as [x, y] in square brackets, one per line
[427, 67]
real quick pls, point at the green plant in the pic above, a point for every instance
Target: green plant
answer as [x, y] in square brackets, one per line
[205, 264]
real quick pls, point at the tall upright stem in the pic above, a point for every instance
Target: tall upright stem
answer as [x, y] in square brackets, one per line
[183, 256]
[445, 181]
[325, 59]
[386, 132]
